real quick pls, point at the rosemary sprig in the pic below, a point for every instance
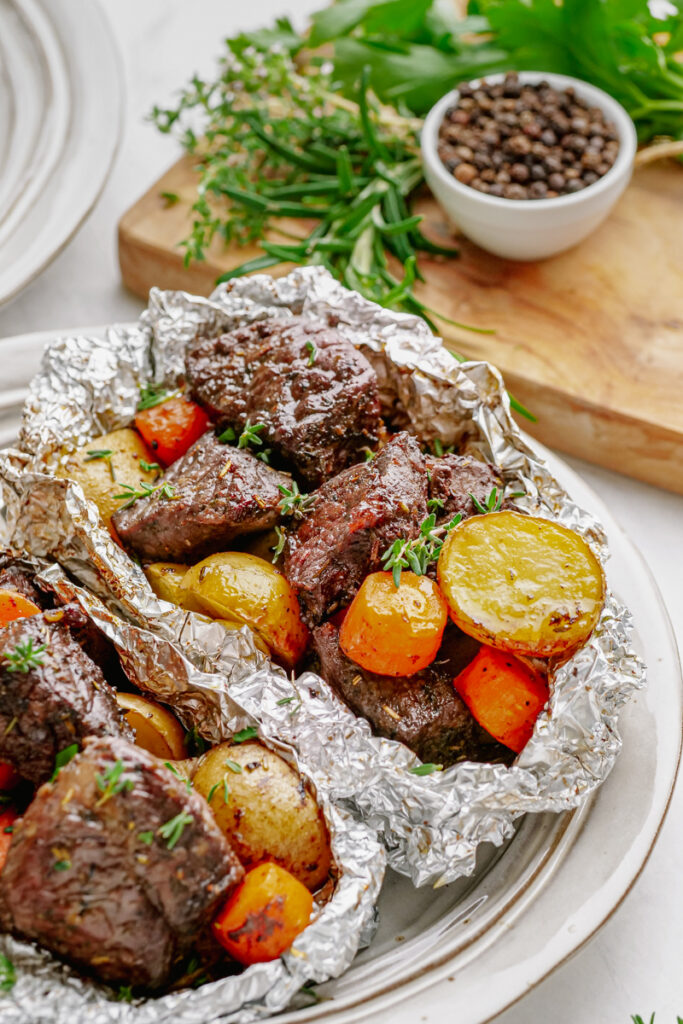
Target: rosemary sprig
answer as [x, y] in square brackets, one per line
[173, 829]
[24, 657]
[418, 553]
[294, 503]
[281, 541]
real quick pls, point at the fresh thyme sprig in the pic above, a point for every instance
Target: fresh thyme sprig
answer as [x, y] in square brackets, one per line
[418, 553]
[281, 541]
[105, 454]
[294, 503]
[166, 490]
[493, 501]
[173, 829]
[248, 438]
[111, 784]
[63, 757]
[24, 657]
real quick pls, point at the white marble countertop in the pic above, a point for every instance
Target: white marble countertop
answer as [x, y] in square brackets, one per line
[634, 963]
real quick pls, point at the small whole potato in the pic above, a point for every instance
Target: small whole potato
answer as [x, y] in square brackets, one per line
[265, 810]
[236, 585]
[106, 466]
[156, 728]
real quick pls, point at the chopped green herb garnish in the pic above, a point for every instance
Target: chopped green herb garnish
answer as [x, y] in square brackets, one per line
[153, 394]
[281, 541]
[172, 830]
[171, 198]
[233, 766]
[226, 791]
[417, 554]
[111, 784]
[425, 769]
[249, 438]
[10, 726]
[245, 734]
[62, 865]
[227, 436]
[8, 830]
[435, 503]
[149, 467]
[293, 502]
[312, 352]
[493, 502]
[8, 974]
[125, 994]
[146, 837]
[63, 758]
[439, 449]
[99, 453]
[284, 700]
[369, 454]
[212, 791]
[24, 657]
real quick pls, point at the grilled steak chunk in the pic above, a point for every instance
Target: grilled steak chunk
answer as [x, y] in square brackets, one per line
[424, 711]
[454, 479]
[53, 697]
[356, 516]
[219, 492]
[103, 871]
[315, 393]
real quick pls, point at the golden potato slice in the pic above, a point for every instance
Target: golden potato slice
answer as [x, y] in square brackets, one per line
[236, 585]
[106, 465]
[155, 728]
[266, 812]
[165, 579]
[521, 584]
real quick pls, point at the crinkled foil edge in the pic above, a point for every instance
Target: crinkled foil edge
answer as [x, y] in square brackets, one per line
[48, 990]
[431, 825]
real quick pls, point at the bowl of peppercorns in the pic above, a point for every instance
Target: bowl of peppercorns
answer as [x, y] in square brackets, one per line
[527, 165]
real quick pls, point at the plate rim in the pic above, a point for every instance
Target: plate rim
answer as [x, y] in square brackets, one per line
[94, 10]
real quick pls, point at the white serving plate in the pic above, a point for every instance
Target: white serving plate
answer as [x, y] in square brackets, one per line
[61, 107]
[467, 951]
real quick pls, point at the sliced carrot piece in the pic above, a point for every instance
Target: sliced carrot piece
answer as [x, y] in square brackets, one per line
[172, 427]
[504, 695]
[14, 605]
[394, 631]
[264, 915]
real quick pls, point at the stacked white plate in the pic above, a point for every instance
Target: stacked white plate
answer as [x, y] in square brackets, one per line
[61, 105]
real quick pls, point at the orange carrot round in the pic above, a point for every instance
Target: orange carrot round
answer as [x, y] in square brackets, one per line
[14, 605]
[7, 819]
[394, 631]
[264, 915]
[172, 427]
[504, 694]
[8, 777]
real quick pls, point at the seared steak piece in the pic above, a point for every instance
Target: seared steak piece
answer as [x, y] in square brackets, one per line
[315, 393]
[454, 478]
[13, 577]
[116, 866]
[51, 693]
[356, 516]
[218, 493]
[424, 711]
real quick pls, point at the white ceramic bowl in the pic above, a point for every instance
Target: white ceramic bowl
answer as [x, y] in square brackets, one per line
[530, 229]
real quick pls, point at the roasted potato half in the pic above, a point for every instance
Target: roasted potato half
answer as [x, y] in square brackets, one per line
[521, 584]
[165, 579]
[156, 728]
[264, 808]
[236, 585]
[105, 466]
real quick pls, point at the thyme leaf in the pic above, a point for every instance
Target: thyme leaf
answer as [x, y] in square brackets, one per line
[24, 657]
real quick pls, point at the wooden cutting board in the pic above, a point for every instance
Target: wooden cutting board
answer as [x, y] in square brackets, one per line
[591, 341]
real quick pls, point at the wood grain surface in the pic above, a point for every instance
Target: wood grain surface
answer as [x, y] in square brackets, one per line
[591, 340]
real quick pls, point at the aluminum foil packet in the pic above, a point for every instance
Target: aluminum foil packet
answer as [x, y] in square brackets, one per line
[430, 825]
[47, 990]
